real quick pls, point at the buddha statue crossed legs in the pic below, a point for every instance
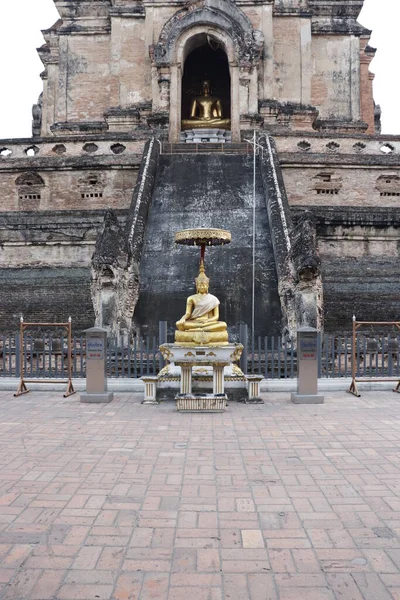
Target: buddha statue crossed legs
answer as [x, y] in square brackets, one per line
[200, 324]
[206, 112]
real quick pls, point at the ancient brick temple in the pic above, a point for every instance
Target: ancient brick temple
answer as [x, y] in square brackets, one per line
[118, 127]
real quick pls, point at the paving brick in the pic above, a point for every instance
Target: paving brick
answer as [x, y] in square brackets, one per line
[84, 592]
[262, 587]
[17, 555]
[128, 586]
[294, 593]
[195, 593]
[184, 560]
[343, 586]
[155, 586]
[236, 587]
[87, 557]
[252, 538]
[371, 586]
[208, 560]
[306, 561]
[281, 561]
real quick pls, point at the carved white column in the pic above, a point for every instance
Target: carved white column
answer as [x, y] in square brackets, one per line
[218, 380]
[186, 379]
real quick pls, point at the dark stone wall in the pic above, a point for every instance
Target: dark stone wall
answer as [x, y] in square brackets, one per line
[367, 287]
[45, 295]
[207, 191]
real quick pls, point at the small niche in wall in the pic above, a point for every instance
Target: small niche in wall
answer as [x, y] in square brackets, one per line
[91, 195]
[327, 183]
[91, 186]
[30, 188]
[389, 185]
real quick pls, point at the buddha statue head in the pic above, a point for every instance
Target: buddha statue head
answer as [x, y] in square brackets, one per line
[206, 88]
[202, 281]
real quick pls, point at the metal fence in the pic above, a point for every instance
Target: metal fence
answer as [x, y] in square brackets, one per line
[273, 357]
[47, 356]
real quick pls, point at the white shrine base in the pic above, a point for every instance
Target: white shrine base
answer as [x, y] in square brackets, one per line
[205, 136]
[203, 371]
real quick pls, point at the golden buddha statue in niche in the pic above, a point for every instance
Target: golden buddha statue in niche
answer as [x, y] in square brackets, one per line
[206, 112]
[200, 325]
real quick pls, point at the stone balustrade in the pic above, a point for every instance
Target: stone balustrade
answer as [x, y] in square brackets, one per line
[67, 148]
[323, 144]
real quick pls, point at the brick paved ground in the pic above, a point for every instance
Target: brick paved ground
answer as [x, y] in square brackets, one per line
[272, 502]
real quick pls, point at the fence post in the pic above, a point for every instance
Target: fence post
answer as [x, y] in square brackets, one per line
[162, 338]
[243, 340]
[17, 355]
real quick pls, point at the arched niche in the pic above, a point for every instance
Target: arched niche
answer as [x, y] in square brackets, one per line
[231, 30]
[191, 41]
[206, 60]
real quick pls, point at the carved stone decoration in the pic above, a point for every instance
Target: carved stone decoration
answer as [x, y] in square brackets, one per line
[164, 85]
[90, 147]
[116, 259]
[333, 146]
[308, 297]
[328, 183]
[304, 146]
[117, 148]
[114, 283]
[30, 188]
[91, 185]
[248, 42]
[389, 185]
[359, 147]
[32, 150]
[59, 149]
[37, 117]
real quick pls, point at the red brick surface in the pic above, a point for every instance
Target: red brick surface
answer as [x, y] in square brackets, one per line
[263, 502]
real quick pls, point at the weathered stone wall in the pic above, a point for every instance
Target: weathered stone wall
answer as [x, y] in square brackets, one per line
[335, 79]
[287, 60]
[333, 185]
[45, 266]
[49, 239]
[68, 173]
[84, 74]
[45, 295]
[70, 190]
[360, 251]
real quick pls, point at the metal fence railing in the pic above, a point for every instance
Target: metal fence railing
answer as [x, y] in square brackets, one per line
[273, 357]
[47, 356]
[377, 356]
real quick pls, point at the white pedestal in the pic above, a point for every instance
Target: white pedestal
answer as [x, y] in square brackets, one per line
[206, 135]
[150, 390]
[254, 389]
[217, 357]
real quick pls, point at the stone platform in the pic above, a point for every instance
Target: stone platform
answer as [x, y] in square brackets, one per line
[206, 135]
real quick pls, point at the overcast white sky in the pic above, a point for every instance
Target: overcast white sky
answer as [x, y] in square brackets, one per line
[22, 20]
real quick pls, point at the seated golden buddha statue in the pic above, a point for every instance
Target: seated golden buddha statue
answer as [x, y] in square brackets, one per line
[200, 325]
[206, 111]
